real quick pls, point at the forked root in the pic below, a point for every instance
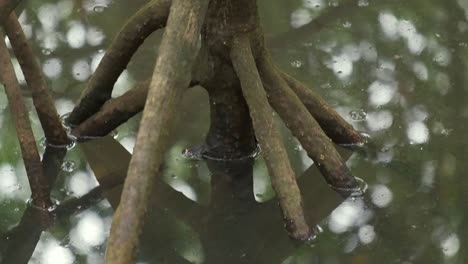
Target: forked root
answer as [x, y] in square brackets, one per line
[304, 127]
[269, 138]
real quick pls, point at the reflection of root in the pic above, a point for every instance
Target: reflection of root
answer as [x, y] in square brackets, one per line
[243, 85]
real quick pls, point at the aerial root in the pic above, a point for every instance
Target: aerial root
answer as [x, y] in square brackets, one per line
[269, 138]
[336, 128]
[37, 180]
[304, 127]
[151, 17]
[53, 130]
[171, 77]
[113, 113]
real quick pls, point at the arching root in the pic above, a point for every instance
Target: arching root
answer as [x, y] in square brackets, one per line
[148, 19]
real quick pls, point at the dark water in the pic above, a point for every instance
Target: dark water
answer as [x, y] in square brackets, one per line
[395, 69]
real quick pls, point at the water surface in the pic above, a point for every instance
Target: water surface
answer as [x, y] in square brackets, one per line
[395, 69]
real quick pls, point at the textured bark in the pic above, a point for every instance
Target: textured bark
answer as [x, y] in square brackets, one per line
[231, 134]
[340, 131]
[114, 113]
[37, 180]
[43, 102]
[304, 127]
[171, 77]
[148, 19]
[269, 138]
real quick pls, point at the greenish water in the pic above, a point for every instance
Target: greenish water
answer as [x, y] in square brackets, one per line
[397, 70]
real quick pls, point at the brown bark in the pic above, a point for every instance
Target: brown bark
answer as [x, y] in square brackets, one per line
[269, 138]
[304, 127]
[6, 7]
[37, 180]
[148, 19]
[171, 77]
[43, 102]
[231, 134]
[114, 113]
[340, 131]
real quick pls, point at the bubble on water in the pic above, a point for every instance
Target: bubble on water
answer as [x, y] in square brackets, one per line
[68, 166]
[358, 115]
[46, 51]
[363, 3]
[347, 24]
[334, 3]
[99, 8]
[52, 207]
[296, 64]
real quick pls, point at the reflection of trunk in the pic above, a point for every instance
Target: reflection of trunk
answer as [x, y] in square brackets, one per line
[233, 228]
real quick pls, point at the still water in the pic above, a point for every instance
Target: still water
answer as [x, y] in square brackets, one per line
[397, 70]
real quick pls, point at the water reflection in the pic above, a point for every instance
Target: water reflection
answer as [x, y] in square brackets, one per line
[393, 71]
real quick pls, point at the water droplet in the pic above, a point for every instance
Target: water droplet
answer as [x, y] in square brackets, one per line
[16, 209]
[296, 64]
[99, 8]
[358, 115]
[68, 166]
